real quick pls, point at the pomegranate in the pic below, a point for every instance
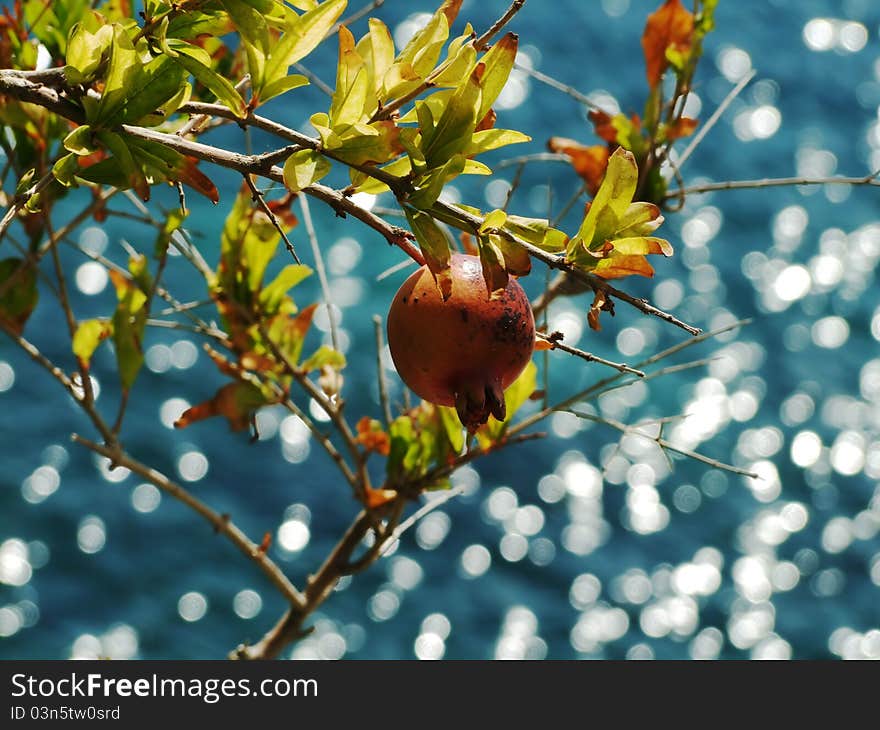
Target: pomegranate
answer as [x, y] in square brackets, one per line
[465, 351]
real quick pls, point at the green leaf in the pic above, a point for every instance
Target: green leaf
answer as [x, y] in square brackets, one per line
[129, 320]
[435, 246]
[459, 65]
[431, 185]
[197, 62]
[124, 159]
[491, 139]
[301, 36]
[66, 169]
[640, 219]
[324, 356]
[249, 22]
[303, 168]
[274, 293]
[455, 127]
[611, 202]
[642, 245]
[18, 292]
[80, 141]
[281, 86]
[453, 428]
[352, 84]
[89, 334]
[369, 144]
[538, 232]
[377, 50]
[417, 59]
[498, 62]
[496, 219]
[154, 85]
[122, 70]
[492, 262]
[173, 221]
[84, 52]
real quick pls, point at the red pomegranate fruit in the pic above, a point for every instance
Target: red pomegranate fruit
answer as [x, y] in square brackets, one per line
[464, 351]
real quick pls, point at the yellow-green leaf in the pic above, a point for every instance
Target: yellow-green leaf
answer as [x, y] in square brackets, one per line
[492, 139]
[324, 356]
[498, 62]
[303, 168]
[282, 85]
[435, 247]
[275, 292]
[196, 61]
[89, 334]
[302, 34]
[611, 202]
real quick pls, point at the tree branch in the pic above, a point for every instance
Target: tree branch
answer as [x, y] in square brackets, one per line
[221, 523]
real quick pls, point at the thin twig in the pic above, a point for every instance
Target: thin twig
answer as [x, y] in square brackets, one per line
[555, 342]
[425, 509]
[662, 443]
[559, 86]
[482, 43]
[870, 180]
[319, 265]
[380, 370]
[221, 523]
[257, 197]
[713, 120]
[602, 386]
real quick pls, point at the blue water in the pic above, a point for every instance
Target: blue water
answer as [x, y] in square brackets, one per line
[595, 549]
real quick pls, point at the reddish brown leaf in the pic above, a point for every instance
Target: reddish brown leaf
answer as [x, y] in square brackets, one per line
[450, 9]
[542, 344]
[600, 303]
[282, 211]
[672, 25]
[616, 267]
[372, 437]
[378, 497]
[683, 127]
[189, 174]
[603, 127]
[235, 401]
[588, 162]
[487, 122]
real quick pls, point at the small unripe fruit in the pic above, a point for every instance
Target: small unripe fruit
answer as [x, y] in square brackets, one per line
[464, 351]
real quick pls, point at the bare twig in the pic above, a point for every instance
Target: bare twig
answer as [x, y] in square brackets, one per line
[319, 266]
[661, 442]
[221, 523]
[257, 197]
[869, 180]
[431, 505]
[380, 370]
[555, 341]
[602, 386]
[482, 43]
[713, 120]
[559, 86]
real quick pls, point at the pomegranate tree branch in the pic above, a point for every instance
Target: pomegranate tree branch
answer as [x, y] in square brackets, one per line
[869, 180]
[319, 585]
[554, 340]
[482, 43]
[220, 522]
